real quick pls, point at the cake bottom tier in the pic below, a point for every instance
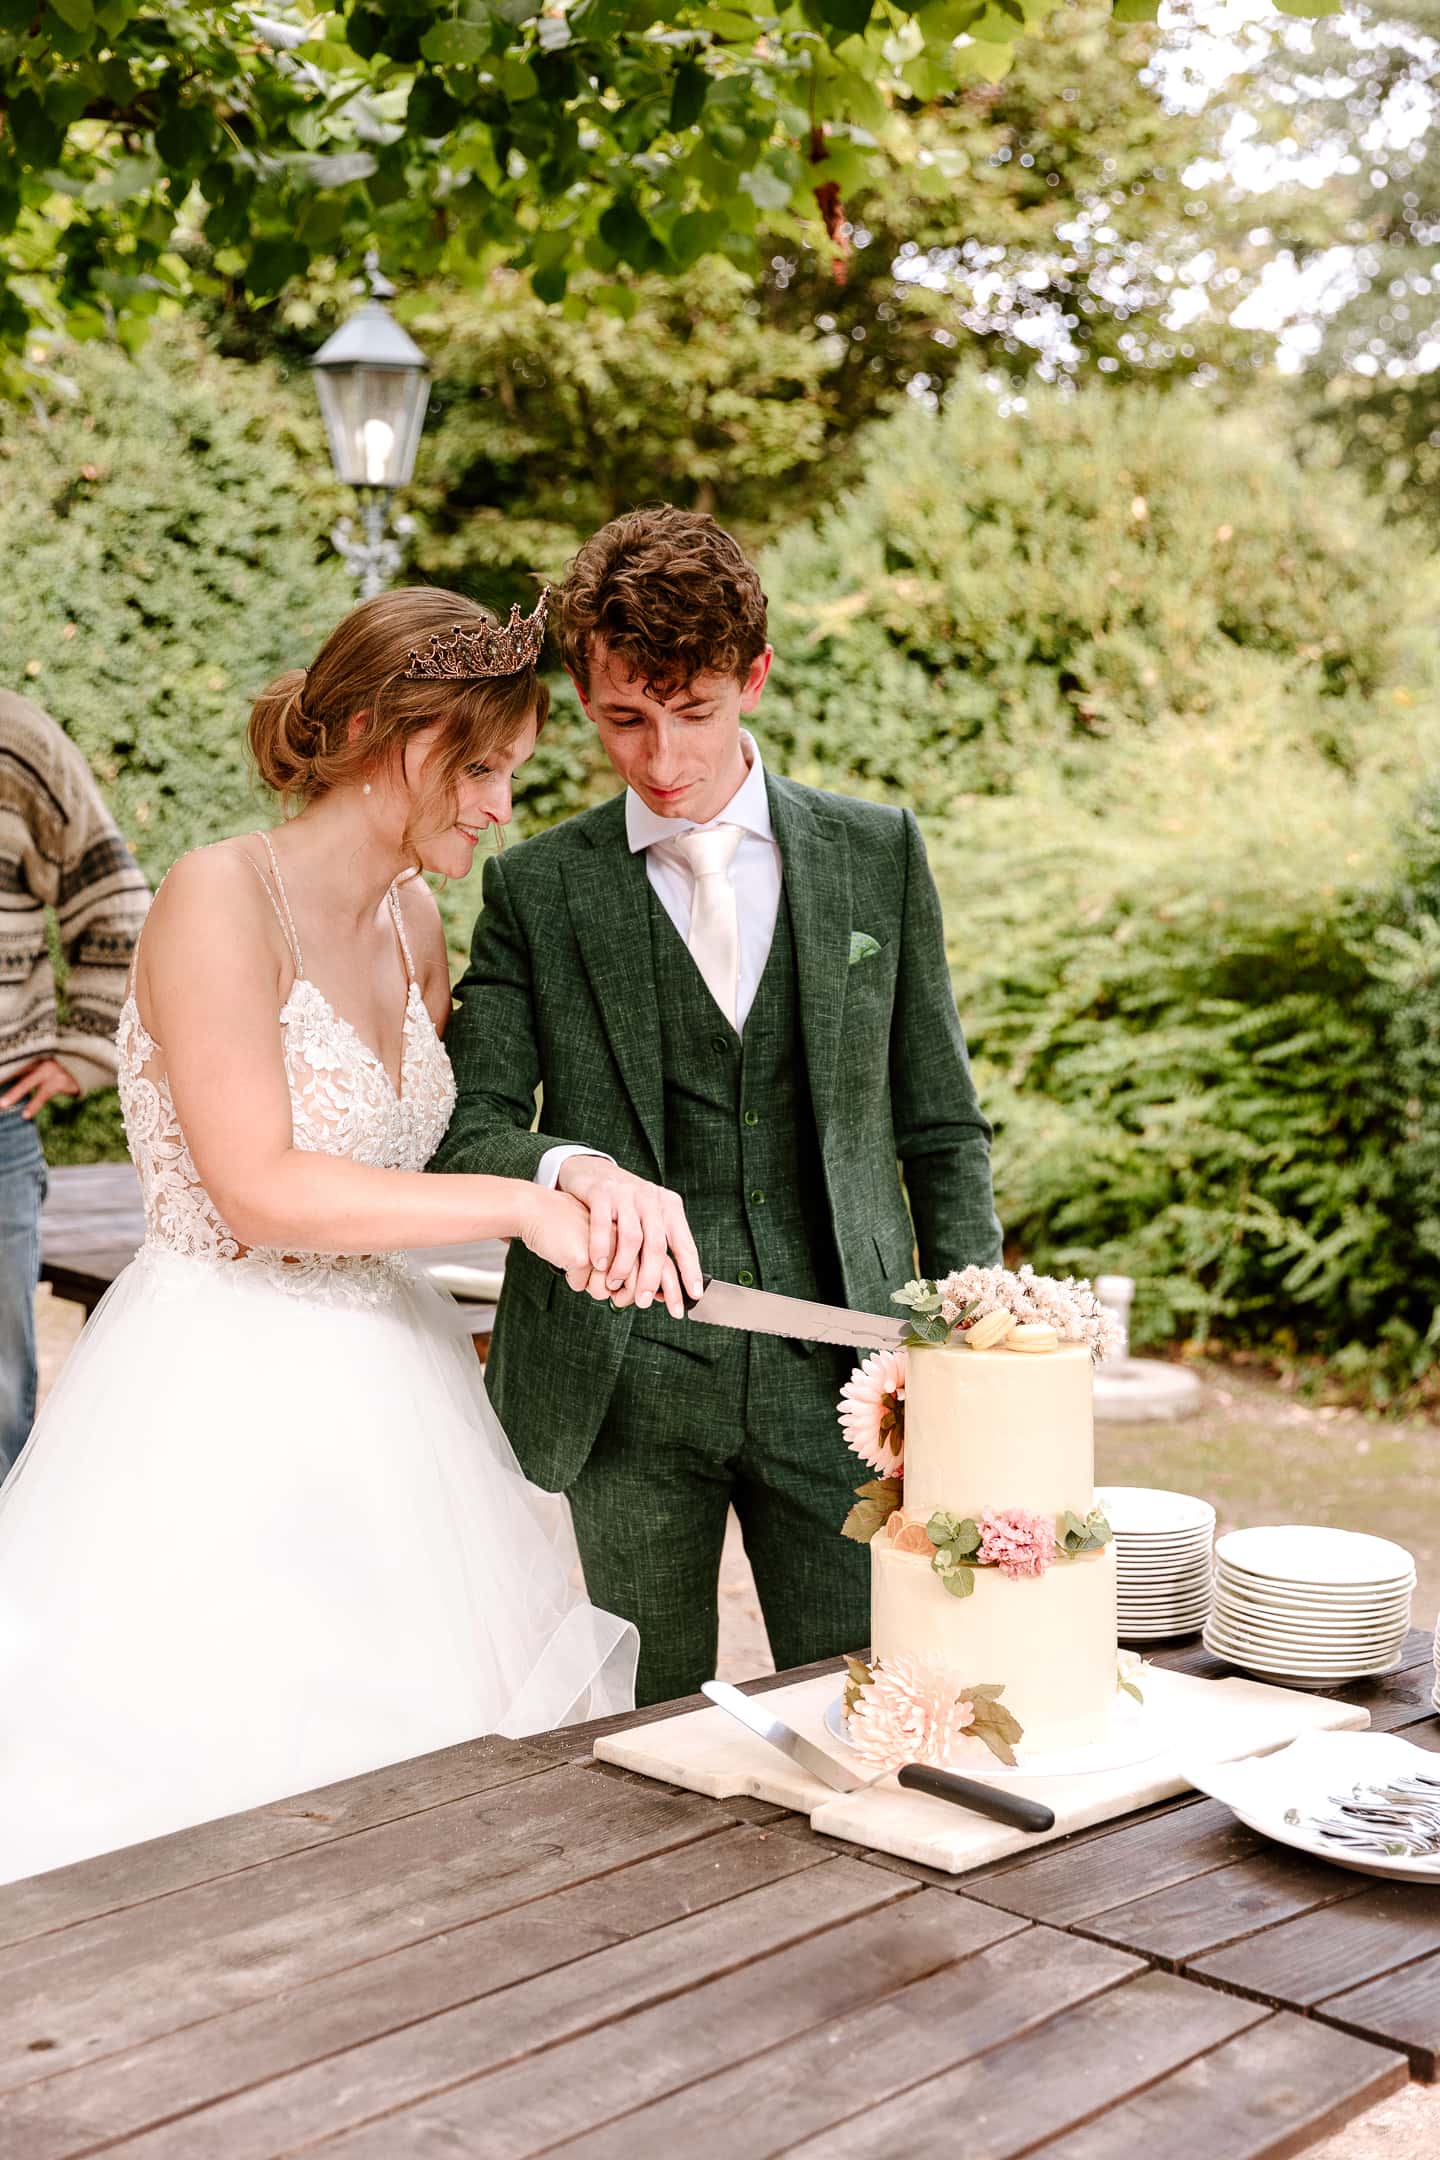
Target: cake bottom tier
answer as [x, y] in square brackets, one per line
[1049, 1639]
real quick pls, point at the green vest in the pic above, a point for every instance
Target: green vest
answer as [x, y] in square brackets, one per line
[740, 1137]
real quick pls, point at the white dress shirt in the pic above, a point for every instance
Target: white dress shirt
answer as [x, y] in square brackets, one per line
[756, 874]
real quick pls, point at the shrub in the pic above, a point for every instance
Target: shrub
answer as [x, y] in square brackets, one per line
[169, 525]
[1007, 585]
[1169, 980]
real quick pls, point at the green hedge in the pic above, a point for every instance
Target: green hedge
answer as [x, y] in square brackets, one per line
[1012, 584]
[1165, 695]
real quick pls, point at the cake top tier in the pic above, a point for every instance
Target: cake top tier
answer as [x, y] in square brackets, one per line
[991, 1429]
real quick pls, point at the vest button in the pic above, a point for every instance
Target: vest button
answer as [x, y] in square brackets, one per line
[752, 1117]
[758, 1197]
[717, 1044]
[745, 1279]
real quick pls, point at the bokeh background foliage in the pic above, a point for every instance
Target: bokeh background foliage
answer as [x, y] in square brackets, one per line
[1163, 690]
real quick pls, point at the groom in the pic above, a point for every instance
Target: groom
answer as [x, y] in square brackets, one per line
[733, 989]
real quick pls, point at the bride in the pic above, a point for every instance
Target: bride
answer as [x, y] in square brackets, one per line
[267, 1532]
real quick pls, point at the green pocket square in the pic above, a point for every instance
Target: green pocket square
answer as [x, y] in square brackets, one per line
[862, 945]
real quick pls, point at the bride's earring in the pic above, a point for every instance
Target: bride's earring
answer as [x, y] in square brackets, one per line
[365, 789]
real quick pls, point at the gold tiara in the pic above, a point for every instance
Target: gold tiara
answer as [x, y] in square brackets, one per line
[471, 655]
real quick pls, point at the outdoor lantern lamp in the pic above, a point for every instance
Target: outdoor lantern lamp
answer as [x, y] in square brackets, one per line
[373, 383]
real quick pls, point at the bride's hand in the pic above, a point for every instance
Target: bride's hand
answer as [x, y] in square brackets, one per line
[557, 1229]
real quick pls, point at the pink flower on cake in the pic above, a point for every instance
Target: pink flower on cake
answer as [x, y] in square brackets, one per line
[872, 1415]
[1015, 1541]
[908, 1713]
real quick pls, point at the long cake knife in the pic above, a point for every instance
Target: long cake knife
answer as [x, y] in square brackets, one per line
[1012, 1809]
[766, 1312]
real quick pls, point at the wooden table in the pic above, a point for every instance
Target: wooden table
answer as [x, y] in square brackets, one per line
[92, 1224]
[507, 1949]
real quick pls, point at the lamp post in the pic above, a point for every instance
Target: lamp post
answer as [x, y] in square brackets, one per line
[373, 383]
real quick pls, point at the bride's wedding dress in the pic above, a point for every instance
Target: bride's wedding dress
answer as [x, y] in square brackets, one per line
[267, 1532]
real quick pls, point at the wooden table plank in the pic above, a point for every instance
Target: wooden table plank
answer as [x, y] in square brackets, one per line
[548, 2097]
[1013, 2098]
[1401, 2009]
[1124, 1861]
[41, 1904]
[249, 2054]
[1301, 1962]
[1179, 1924]
[772, 2100]
[1265, 2095]
[246, 1937]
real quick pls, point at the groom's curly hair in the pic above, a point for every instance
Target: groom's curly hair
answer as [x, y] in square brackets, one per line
[670, 592]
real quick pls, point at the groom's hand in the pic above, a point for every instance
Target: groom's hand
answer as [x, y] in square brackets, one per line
[636, 1230]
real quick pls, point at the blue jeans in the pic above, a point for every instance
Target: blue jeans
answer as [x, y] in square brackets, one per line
[22, 1193]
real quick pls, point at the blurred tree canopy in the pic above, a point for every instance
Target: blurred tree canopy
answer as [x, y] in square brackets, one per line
[1030, 225]
[1327, 146]
[149, 154]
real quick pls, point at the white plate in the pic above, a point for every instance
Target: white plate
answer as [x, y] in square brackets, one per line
[1146, 1510]
[1162, 1586]
[1316, 1632]
[1141, 1547]
[1307, 1630]
[1266, 1590]
[1294, 1672]
[1352, 1607]
[1321, 1664]
[1303, 1552]
[1394, 1606]
[1136, 1735]
[1308, 1643]
[1262, 1790]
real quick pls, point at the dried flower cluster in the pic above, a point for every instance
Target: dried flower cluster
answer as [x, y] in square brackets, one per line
[1070, 1307]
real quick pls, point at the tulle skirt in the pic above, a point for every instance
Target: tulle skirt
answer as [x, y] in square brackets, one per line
[260, 1541]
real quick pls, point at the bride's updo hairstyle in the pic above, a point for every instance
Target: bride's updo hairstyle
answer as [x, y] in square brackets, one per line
[300, 735]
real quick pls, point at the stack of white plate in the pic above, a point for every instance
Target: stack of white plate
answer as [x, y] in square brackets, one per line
[1162, 1560]
[1310, 1607]
[1435, 1695]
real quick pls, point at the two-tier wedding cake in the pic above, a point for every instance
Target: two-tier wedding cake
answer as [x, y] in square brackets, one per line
[992, 1571]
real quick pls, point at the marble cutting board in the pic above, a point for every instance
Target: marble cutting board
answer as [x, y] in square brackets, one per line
[707, 1752]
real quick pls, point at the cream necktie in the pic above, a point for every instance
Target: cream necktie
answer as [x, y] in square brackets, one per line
[714, 919]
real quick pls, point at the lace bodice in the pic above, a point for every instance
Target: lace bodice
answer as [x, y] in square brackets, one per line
[342, 1102]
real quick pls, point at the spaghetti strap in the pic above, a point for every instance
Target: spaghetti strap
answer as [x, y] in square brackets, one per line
[281, 905]
[400, 931]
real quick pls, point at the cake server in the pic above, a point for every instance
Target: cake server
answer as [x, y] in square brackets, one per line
[1013, 1809]
[765, 1312]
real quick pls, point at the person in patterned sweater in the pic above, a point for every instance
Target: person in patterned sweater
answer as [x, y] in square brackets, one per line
[60, 850]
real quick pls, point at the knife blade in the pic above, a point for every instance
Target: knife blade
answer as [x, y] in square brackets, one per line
[782, 1736]
[1012, 1809]
[766, 1312]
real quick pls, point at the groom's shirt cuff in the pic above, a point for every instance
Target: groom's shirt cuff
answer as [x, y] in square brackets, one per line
[554, 1158]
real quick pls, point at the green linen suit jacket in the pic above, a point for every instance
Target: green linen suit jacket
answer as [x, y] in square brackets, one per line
[560, 995]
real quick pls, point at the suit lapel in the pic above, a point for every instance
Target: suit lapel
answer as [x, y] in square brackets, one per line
[815, 851]
[608, 896]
